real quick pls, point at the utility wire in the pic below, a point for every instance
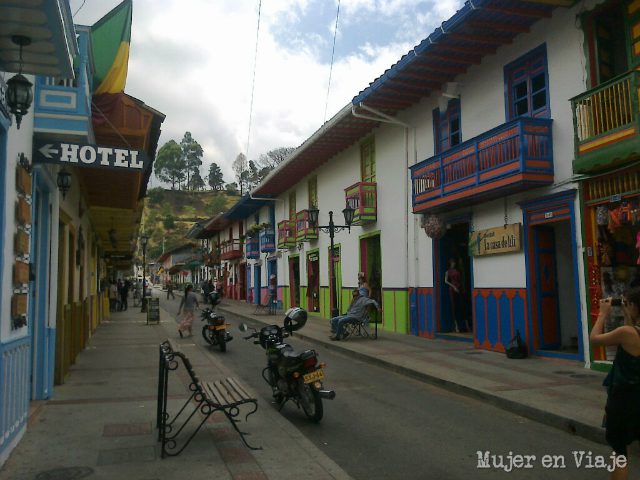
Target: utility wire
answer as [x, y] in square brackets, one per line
[333, 51]
[253, 86]
[79, 8]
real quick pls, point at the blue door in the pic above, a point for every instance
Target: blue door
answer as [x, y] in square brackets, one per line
[257, 271]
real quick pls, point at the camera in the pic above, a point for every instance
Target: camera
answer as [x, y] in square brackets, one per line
[616, 302]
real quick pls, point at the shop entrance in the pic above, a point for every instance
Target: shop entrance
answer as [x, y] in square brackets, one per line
[454, 266]
[555, 322]
[371, 266]
[313, 282]
[241, 278]
[612, 231]
[294, 275]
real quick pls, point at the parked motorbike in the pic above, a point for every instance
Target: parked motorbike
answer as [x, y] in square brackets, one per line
[292, 375]
[215, 330]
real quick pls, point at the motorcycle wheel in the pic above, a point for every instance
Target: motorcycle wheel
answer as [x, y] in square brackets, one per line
[310, 402]
[222, 342]
[207, 335]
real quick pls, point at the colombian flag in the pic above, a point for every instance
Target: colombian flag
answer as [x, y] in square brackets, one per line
[110, 38]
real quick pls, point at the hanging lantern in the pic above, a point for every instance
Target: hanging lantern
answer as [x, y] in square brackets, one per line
[433, 226]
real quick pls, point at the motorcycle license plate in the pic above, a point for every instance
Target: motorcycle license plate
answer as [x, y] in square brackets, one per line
[218, 327]
[313, 376]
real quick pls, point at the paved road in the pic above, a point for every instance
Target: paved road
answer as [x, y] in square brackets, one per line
[386, 426]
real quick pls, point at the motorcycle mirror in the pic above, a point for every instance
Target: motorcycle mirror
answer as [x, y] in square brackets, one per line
[243, 327]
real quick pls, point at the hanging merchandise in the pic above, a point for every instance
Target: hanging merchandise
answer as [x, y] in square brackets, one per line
[433, 226]
[602, 216]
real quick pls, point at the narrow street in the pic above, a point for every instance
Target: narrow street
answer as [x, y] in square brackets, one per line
[383, 425]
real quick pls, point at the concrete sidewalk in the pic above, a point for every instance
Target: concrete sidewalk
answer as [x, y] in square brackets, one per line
[558, 393]
[101, 423]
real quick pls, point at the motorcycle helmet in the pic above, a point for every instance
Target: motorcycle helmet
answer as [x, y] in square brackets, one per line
[295, 319]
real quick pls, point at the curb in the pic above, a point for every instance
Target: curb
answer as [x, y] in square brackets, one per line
[589, 432]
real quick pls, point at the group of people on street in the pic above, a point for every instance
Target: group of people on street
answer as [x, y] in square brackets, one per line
[119, 294]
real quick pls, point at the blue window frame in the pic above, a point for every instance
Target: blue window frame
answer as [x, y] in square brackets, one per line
[447, 130]
[527, 86]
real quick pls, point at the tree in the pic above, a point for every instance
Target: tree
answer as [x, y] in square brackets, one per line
[192, 155]
[196, 183]
[231, 188]
[274, 157]
[215, 178]
[169, 165]
[239, 167]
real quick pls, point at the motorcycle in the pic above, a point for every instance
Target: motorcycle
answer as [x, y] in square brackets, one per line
[215, 330]
[292, 375]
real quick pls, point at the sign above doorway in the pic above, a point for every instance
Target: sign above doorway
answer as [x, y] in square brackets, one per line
[505, 239]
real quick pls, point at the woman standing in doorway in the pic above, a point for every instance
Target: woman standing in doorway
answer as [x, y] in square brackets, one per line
[622, 419]
[190, 303]
[453, 278]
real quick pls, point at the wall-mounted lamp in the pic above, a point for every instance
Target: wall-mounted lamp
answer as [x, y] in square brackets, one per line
[19, 94]
[63, 181]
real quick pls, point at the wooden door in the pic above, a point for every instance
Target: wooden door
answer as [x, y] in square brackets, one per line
[546, 288]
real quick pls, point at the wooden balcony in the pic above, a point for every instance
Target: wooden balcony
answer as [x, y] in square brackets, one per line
[230, 250]
[63, 107]
[605, 123]
[252, 248]
[286, 234]
[513, 157]
[363, 197]
[268, 240]
[304, 232]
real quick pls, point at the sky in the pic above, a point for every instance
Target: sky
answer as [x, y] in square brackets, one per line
[194, 60]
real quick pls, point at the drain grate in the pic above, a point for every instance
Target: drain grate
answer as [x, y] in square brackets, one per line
[65, 473]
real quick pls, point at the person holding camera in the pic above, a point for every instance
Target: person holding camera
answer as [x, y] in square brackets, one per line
[622, 412]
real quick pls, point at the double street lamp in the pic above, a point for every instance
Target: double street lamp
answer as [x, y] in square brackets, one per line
[143, 241]
[331, 229]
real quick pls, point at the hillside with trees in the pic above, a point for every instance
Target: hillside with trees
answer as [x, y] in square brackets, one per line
[170, 213]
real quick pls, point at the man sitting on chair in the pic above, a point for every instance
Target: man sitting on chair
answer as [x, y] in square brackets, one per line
[357, 311]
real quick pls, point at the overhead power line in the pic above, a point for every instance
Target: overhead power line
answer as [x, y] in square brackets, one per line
[333, 50]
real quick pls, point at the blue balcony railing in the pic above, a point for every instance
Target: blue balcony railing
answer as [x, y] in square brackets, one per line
[515, 156]
[252, 248]
[62, 106]
[268, 241]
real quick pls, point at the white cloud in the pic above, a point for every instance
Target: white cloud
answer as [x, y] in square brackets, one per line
[193, 61]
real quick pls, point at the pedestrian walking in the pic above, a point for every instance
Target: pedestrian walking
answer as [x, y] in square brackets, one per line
[188, 305]
[622, 412]
[170, 290]
[124, 295]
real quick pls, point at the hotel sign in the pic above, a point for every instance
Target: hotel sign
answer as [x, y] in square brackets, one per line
[505, 239]
[92, 156]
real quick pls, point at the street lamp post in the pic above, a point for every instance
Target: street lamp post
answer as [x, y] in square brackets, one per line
[331, 229]
[143, 241]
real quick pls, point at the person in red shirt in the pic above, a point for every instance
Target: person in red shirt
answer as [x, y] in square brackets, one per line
[453, 278]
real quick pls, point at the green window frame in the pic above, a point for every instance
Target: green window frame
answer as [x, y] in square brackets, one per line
[368, 160]
[313, 192]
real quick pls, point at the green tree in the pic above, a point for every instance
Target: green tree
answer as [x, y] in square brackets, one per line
[169, 222]
[169, 165]
[196, 183]
[215, 178]
[231, 188]
[192, 155]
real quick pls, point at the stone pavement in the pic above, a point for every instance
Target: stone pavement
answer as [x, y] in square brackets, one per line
[101, 423]
[555, 392]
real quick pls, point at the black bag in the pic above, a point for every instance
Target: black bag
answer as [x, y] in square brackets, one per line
[516, 347]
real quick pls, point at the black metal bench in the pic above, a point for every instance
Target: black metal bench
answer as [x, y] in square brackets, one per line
[226, 396]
